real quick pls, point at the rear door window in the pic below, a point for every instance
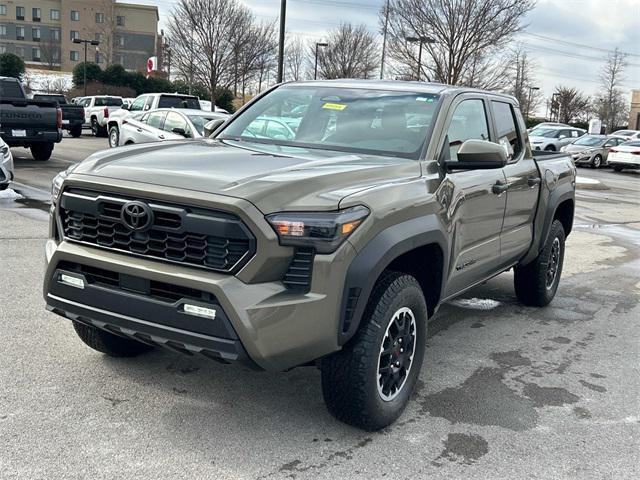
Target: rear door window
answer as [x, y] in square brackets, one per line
[507, 128]
[469, 121]
[175, 120]
[10, 89]
[156, 119]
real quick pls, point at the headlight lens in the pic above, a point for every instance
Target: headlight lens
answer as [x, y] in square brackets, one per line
[324, 231]
[58, 180]
[5, 151]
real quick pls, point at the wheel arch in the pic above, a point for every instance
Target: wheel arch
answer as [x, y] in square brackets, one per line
[417, 247]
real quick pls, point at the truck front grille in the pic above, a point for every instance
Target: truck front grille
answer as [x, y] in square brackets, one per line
[187, 235]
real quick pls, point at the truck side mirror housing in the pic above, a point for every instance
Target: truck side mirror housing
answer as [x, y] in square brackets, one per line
[478, 155]
[213, 125]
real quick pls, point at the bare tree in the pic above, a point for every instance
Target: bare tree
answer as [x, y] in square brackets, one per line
[50, 51]
[203, 36]
[466, 35]
[610, 104]
[522, 80]
[296, 59]
[572, 104]
[352, 52]
[106, 30]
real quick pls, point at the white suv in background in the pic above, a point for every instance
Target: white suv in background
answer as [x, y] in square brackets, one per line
[554, 138]
[144, 103]
[97, 110]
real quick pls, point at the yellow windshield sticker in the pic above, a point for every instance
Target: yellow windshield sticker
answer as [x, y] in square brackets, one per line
[334, 106]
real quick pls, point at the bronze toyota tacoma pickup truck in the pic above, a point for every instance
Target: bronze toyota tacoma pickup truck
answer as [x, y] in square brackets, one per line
[328, 237]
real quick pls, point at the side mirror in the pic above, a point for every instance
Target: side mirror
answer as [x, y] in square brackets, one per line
[562, 137]
[478, 155]
[180, 131]
[213, 125]
[125, 106]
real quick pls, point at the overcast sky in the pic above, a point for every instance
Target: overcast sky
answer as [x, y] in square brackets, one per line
[568, 39]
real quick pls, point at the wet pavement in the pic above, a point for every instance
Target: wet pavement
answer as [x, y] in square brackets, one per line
[506, 391]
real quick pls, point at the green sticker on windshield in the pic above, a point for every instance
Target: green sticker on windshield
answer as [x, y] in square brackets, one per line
[424, 99]
[334, 106]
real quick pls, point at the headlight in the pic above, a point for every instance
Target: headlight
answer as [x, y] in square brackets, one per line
[324, 231]
[58, 180]
[5, 151]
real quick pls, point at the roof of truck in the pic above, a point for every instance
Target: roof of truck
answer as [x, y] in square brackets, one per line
[398, 85]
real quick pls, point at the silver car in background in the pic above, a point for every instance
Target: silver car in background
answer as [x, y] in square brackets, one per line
[6, 165]
[165, 124]
[592, 150]
[552, 139]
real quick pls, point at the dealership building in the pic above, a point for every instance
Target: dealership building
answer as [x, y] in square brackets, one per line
[41, 32]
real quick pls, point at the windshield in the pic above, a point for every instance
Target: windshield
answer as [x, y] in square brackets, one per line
[108, 102]
[174, 101]
[544, 132]
[590, 141]
[200, 121]
[364, 121]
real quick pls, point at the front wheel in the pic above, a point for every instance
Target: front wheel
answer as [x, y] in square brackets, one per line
[537, 283]
[108, 343]
[42, 151]
[369, 382]
[114, 137]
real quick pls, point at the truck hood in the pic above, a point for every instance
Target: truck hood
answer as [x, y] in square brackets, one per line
[310, 180]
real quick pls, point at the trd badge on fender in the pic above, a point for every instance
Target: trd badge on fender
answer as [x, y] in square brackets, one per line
[137, 216]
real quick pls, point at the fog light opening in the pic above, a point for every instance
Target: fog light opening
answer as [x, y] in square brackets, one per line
[72, 281]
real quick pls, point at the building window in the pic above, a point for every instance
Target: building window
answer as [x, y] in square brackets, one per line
[120, 59]
[19, 33]
[120, 21]
[35, 54]
[98, 37]
[73, 35]
[20, 52]
[3, 30]
[36, 14]
[35, 34]
[3, 9]
[19, 13]
[98, 58]
[54, 14]
[120, 40]
[55, 34]
[3, 49]
[75, 15]
[74, 55]
[99, 17]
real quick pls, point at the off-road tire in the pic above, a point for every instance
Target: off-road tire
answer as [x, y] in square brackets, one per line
[114, 137]
[76, 131]
[108, 343]
[350, 376]
[531, 280]
[42, 152]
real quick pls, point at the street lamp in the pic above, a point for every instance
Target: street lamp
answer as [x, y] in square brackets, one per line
[315, 69]
[531, 89]
[86, 42]
[422, 41]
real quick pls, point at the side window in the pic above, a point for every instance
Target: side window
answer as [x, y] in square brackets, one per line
[575, 133]
[611, 143]
[469, 121]
[137, 105]
[175, 120]
[564, 134]
[508, 134]
[156, 119]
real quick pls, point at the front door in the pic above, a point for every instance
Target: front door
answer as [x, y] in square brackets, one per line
[523, 180]
[476, 207]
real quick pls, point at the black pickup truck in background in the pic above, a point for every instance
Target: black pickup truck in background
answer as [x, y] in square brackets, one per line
[72, 115]
[33, 124]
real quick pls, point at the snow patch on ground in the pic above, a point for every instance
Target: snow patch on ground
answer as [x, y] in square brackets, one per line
[586, 181]
[47, 81]
[476, 303]
[10, 194]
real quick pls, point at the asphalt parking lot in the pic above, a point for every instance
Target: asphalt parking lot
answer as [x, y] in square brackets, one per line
[506, 391]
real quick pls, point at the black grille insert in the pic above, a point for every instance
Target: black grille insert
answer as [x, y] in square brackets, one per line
[189, 235]
[298, 276]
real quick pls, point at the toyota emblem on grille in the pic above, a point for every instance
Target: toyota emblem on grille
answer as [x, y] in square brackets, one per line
[137, 216]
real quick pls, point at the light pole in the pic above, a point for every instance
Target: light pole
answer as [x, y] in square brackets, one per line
[283, 21]
[422, 41]
[315, 68]
[531, 89]
[555, 107]
[86, 42]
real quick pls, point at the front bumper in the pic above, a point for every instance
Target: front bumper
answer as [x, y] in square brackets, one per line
[269, 325]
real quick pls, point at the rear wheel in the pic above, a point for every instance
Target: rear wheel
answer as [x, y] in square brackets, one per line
[114, 137]
[108, 343]
[617, 168]
[596, 162]
[537, 283]
[76, 131]
[369, 382]
[42, 151]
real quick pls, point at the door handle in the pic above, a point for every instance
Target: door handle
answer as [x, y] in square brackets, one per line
[500, 187]
[139, 130]
[533, 181]
[161, 137]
